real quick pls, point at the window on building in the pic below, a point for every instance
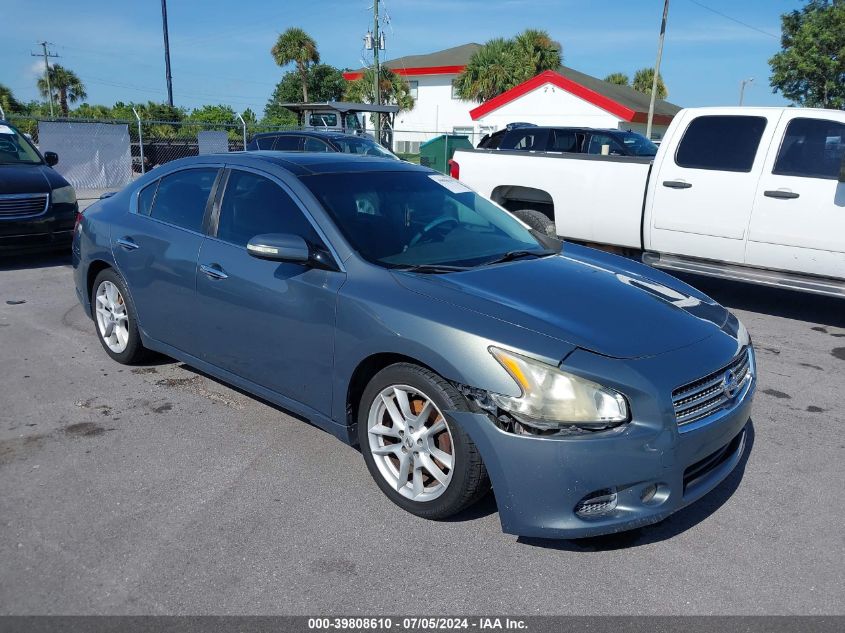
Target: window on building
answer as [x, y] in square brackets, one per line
[811, 147]
[182, 197]
[455, 93]
[464, 131]
[724, 143]
[414, 88]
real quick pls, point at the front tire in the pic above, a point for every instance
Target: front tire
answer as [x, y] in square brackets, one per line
[421, 461]
[114, 315]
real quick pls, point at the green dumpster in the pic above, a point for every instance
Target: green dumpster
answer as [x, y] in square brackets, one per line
[437, 152]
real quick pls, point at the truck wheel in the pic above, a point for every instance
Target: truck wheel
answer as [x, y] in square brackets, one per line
[537, 220]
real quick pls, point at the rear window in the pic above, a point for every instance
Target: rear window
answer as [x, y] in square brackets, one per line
[182, 196]
[723, 143]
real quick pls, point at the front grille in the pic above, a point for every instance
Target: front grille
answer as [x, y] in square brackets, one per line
[705, 396]
[22, 205]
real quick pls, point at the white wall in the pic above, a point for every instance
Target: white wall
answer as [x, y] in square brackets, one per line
[435, 111]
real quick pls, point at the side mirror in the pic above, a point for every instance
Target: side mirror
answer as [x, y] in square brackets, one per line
[279, 247]
[51, 158]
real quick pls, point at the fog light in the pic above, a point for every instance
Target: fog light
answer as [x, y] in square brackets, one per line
[648, 493]
[597, 503]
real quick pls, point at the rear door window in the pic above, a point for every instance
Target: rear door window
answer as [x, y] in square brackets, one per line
[563, 141]
[315, 145]
[288, 143]
[723, 143]
[265, 142]
[812, 148]
[525, 139]
[598, 141]
[253, 205]
[182, 197]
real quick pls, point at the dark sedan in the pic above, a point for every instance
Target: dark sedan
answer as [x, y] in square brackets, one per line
[37, 206]
[306, 141]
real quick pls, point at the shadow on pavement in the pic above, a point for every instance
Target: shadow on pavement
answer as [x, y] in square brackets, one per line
[789, 304]
[678, 523]
[35, 260]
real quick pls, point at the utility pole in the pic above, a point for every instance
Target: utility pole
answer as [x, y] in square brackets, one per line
[657, 69]
[377, 70]
[166, 53]
[46, 55]
[742, 85]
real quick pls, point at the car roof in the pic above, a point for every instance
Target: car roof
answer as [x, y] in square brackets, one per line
[314, 133]
[307, 163]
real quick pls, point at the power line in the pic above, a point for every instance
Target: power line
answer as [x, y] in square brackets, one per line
[732, 19]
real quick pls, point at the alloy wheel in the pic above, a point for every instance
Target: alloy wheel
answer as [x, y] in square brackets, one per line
[112, 318]
[411, 443]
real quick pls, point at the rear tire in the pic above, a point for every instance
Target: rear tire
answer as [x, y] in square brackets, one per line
[537, 220]
[115, 318]
[421, 461]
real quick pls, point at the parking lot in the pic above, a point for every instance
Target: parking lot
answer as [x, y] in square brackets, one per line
[155, 489]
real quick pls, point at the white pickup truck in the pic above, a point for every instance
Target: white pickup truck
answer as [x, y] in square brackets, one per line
[753, 194]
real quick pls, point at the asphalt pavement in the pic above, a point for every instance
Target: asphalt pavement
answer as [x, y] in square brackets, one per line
[157, 490]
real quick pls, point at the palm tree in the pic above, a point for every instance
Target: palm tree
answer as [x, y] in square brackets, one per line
[619, 79]
[8, 101]
[643, 80]
[536, 51]
[66, 87]
[295, 45]
[393, 89]
[501, 64]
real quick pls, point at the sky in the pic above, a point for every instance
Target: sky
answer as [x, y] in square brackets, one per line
[220, 48]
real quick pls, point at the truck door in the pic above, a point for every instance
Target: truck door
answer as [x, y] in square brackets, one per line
[798, 222]
[703, 192]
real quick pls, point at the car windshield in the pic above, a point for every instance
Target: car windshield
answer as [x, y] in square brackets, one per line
[16, 148]
[399, 219]
[637, 144]
[361, 145]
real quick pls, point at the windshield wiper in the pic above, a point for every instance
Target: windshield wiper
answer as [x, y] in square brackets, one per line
[430, 268]
[518, 254]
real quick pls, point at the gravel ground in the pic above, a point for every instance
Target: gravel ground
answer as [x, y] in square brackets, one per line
[157, 490]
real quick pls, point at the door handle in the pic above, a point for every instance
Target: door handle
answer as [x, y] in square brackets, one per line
[780, 194]
[214, 271]
[127, 243]
[677, 184]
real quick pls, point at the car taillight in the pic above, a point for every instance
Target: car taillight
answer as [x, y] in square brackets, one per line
[454, 169]
[78, 222]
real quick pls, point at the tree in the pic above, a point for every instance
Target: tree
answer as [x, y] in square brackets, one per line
[501, 64]
[810, 68]
[324, 83]
[619, 79]
[8, 101]
[644, 79]
[296, 46]
[393, 88]
[65, 85]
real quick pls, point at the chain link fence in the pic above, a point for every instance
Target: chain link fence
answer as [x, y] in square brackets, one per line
[101, 155]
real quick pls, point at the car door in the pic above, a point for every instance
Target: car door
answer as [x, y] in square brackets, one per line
[271, 323]
[702, 195]
[798, 222]
[155, 247]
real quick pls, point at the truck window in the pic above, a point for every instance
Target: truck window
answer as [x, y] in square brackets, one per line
[812, 148]
[563, 141]
[723, 143]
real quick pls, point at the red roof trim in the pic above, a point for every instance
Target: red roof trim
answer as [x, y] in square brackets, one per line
[551, 77]
[352, 75]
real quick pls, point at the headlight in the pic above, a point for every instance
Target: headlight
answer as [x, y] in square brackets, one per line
[64, 195]
[742, 334]
[551, 397]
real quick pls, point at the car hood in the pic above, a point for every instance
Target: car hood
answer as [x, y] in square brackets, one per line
[593, 300]
[29, 179]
